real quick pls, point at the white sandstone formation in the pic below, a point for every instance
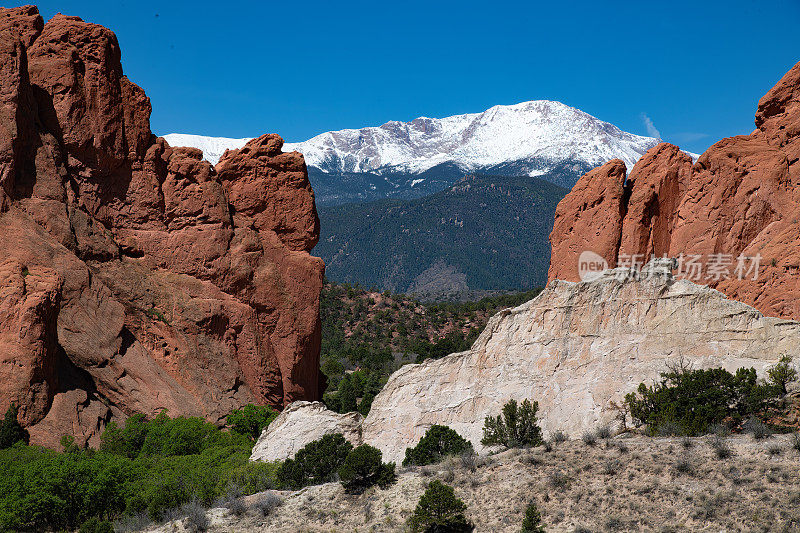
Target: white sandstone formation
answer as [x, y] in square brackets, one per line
[577, 349]
[301, 423]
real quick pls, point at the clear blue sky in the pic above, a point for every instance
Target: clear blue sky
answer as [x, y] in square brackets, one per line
[239, 69]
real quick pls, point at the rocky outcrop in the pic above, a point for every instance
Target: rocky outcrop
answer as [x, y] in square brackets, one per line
[137, 277]
[657, 184]
[739, 200]
[577, 349]
[590, 225]
[301, 423]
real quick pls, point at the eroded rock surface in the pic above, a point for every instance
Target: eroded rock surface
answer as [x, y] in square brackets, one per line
[137, 277]
[740, 199]
[302, 423]
[577, 349]
[589, 225]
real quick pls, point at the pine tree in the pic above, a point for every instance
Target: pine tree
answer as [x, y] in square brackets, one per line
[782, 373]
[516, 428]
[533, 520]
[439, 510]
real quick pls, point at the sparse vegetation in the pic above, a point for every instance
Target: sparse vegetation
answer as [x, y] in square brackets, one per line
[236, 506]
[439, 510]
[684, 465]
[589, 438]
[757, 428]
[516, 428]
[655, 486]
[559, 480]
[720, 447]
[196, 517]
[720, 430]
[266, 503]
[438, 442]
[469, 459]
[611, 467]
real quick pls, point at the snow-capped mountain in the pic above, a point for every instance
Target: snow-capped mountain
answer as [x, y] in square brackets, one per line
[501, 134]
[411, 159]
[212, 147]
[537, 129]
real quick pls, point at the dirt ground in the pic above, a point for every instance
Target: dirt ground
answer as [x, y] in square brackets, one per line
[622, 484]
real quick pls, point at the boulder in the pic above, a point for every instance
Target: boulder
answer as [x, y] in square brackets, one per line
[301, 423]
[735, 208]
[138, 277]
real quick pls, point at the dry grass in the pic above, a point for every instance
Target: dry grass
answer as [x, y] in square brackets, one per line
[638, 484]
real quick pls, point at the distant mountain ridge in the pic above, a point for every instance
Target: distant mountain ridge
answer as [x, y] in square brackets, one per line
[543, 138]
[538, 131]
[483, 233]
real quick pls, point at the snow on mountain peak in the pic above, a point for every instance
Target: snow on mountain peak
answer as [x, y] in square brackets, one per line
[212, 147]
[542, 130]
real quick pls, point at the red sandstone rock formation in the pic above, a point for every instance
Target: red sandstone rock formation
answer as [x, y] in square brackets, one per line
[135, 277]
[657, 183]
[741, 198]
[589, 218]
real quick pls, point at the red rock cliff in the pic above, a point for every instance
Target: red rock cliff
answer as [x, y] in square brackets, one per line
[136, 277]
[740, 199]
